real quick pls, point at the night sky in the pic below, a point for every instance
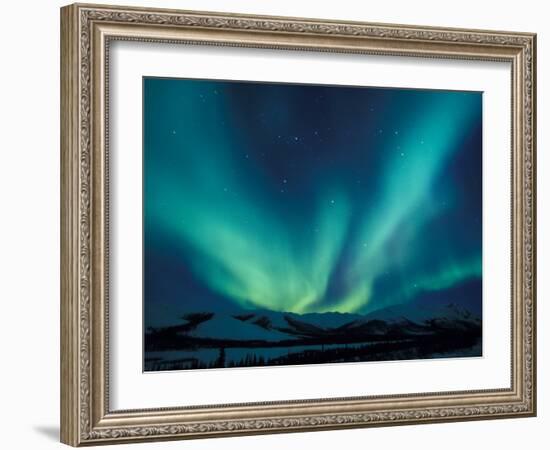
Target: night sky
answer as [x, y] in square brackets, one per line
[307, 198]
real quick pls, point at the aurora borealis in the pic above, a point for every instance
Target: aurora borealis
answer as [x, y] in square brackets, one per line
[306, 198]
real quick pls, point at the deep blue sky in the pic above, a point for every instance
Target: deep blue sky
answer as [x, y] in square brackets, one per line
[307, 198]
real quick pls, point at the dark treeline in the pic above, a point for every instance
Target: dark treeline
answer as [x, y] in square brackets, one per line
[174, 338]
[439, 345]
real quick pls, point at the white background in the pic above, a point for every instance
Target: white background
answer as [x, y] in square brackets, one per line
[132, 389]
[29, 237]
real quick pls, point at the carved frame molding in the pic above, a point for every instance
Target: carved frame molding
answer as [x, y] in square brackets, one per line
[86, 31]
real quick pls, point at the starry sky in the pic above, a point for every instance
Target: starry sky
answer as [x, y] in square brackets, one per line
[307, 198]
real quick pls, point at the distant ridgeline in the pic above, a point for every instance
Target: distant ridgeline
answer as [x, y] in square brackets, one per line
[426, 328]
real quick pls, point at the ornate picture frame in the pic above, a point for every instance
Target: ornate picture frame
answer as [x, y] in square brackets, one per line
[87, 31]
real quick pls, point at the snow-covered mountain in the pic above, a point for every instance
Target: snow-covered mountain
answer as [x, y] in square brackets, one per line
[227, 327]
[435, 324]
[415, 319]
[457, 310]
[420, 314]
[271, 326]
[298, 323]
[268, 326]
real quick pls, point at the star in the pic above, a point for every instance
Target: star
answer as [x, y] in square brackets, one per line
[318, 170]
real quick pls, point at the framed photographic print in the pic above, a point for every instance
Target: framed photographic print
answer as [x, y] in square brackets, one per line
[274, 224]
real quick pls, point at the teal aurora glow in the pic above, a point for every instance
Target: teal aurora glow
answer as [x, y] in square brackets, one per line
[307, 198]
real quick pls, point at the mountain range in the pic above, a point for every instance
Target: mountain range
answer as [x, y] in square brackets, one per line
[429, 315]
